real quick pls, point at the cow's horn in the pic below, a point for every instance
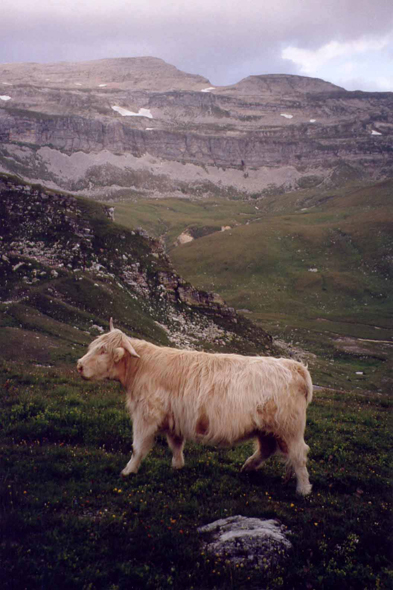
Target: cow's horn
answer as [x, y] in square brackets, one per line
[128, 346]
[111, 328]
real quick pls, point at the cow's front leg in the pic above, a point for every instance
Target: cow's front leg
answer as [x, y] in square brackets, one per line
[143, 441]
[176, 444]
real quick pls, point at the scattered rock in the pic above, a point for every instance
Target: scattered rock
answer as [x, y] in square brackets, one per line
[184, 238]
[253, 542]
[96, 328]
[110, 212]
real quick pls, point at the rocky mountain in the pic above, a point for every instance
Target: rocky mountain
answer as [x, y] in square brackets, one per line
[65, 267]
[138, 126]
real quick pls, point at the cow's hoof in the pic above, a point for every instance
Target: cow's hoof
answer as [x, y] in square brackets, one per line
[249, 465]
[124, 473]
[305, 490]
[247, 468]
[177, 464]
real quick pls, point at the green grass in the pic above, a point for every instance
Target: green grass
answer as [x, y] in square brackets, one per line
[69, 521]
[263, 263]
[268, 265]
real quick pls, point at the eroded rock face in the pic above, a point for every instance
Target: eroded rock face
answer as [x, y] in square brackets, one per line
[107, 127]
[253, 542]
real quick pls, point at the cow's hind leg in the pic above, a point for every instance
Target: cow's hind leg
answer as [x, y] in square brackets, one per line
[176, 444]
[266, 446]
[297, 460]
[142, 443]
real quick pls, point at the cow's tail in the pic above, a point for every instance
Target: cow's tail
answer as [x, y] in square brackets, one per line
[308, 384]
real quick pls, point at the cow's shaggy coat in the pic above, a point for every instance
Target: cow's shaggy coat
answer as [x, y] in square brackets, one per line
[218, 399]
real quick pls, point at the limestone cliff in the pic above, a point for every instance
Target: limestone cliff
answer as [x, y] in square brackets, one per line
[120, 127]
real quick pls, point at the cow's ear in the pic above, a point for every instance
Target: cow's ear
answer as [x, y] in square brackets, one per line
[118, 354]
[129, 348]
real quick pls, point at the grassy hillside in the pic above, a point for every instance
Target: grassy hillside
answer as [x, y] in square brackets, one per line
[309, 254]
[331, 257]
[69, 521]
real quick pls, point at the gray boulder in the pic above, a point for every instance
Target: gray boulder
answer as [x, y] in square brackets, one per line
[253, 542]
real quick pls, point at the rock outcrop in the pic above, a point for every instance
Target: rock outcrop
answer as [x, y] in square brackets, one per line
[116, 128]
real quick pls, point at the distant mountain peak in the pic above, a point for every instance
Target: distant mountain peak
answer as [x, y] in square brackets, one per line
[283, 83]
[134, 73]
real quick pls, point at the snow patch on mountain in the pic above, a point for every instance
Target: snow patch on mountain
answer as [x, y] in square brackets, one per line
[126, 113]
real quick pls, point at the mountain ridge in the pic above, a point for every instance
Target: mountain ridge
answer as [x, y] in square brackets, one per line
[144, 65]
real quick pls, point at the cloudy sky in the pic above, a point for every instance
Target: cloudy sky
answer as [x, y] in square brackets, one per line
[347, 42]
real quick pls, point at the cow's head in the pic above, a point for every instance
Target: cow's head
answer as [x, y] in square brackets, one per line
[106, 355]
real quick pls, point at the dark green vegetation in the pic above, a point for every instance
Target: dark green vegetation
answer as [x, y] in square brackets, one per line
[69, 521]
[314, 268]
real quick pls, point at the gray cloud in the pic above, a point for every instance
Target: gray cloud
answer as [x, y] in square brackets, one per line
[222, 40]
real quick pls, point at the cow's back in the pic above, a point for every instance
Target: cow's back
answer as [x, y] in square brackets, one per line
[221, 399]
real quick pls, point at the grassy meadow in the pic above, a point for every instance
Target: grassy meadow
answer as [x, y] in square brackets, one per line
[70, 521]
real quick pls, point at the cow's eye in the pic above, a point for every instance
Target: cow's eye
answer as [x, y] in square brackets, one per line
[103, 351]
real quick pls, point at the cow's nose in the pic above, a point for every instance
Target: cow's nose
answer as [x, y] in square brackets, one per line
[79, 367]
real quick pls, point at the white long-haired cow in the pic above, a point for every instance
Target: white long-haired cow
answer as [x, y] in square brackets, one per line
[219, 399]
